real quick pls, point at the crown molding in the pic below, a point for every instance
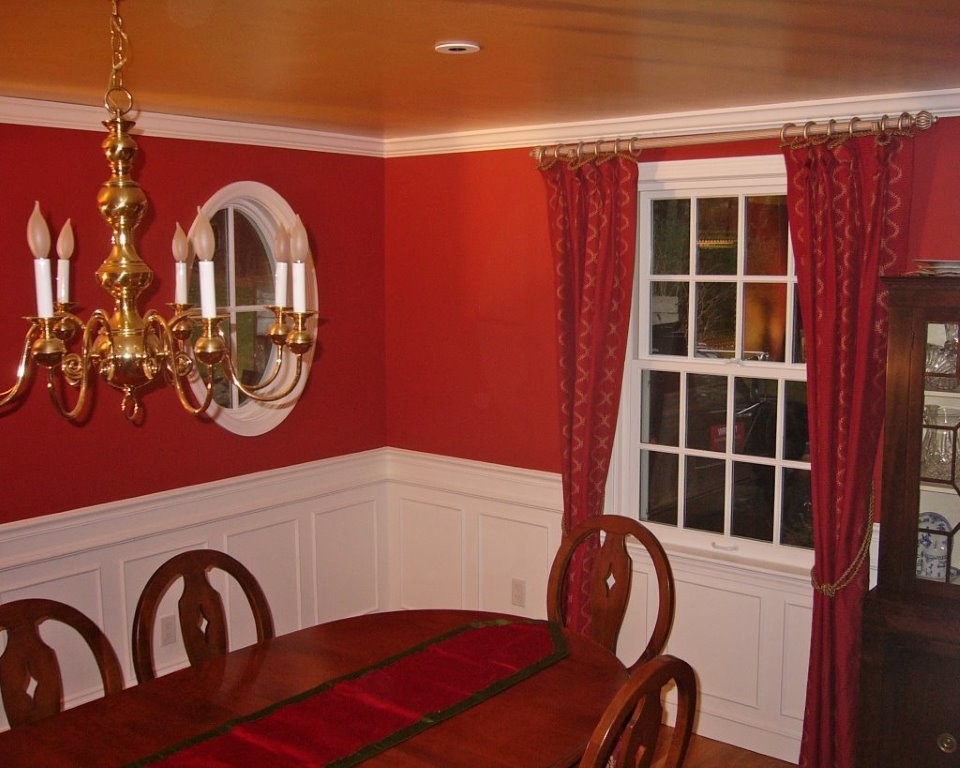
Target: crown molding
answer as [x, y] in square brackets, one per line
[49, 114]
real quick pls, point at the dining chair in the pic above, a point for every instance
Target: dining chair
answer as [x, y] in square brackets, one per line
[203, 622]
[31, 685]
[628, 731]
[609, 580]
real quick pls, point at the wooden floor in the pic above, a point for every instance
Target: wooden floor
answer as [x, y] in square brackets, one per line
[706, 753]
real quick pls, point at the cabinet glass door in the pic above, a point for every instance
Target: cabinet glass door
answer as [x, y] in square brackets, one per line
[938, 558]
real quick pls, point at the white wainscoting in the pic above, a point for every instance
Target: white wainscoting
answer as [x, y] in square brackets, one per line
[390, 529]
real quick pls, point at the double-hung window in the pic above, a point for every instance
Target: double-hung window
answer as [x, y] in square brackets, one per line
[712, 443]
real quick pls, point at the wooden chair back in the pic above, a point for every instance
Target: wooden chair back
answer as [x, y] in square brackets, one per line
[203, 622]
[628, 731]
[610, 579]
[31, 685]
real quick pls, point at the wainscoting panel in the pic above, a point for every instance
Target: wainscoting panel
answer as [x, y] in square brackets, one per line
[391, 529]
[348, 577]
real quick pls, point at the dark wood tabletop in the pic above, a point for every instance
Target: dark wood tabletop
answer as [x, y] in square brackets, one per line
[541, 722]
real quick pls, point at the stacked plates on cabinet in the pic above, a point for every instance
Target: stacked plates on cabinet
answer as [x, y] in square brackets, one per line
[942, 267]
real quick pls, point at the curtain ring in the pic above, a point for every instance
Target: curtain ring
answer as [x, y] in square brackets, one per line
[596, 150]
[830, 125]
[853, 126]
[806, 129]
[903, 122]
[579, 155]
[883, 124]
[616, 146]
[783, 132]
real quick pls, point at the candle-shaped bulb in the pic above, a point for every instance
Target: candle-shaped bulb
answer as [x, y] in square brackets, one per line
[38, 236]
[299, 245]
[65, 242]
[181, 248]
[202, 237]
[281, 254]
[64, 252]
[203, 245]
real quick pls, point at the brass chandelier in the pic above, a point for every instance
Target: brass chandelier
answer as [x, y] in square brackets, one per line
[132, 350]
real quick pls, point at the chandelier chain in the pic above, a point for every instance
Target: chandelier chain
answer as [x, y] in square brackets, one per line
[117, 100]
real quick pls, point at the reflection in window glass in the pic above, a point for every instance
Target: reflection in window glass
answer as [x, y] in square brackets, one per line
[753, 497]
[671, 237]
[717, 236]
[707, 412]
[796, 434]
[668, 318]
[704, 494]
[764, 321]
[799, 346]
[658, 485]
[796, 528]
[661, 413]
[766, 235]
[716, 319]
[755, 425]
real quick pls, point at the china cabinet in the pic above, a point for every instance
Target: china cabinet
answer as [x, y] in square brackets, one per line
[910, 674]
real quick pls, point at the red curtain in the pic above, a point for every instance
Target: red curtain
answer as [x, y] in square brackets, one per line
[593, 223]
[849, 212]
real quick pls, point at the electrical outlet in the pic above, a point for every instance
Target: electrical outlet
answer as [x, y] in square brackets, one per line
[518, 593]
[168, 630]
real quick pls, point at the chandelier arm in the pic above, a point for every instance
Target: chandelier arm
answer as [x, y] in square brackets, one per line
[24, 367]
[263, 383]
[252, 392]
[75, 368]
[179, 364]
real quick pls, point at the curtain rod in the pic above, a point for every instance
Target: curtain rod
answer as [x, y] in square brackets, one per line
[585, 151]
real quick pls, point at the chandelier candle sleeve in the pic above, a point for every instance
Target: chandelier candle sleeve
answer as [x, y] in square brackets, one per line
[180, 248]
[281, 250]
[64, 252]
[298, 249]
[38, 238]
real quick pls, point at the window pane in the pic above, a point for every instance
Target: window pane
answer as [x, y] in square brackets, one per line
[704, 496]
[764, 321]
[755, 427]
[796, 527]
[670, 233]
[796, 435]
[668, 318]
[658, 487]
[707, 412]
[799, 346]
[255, 351]
[660, 421]
[716, 319]
[753, 494]
[717, 236]
[766, 235]
[252, 266]
[221, 257]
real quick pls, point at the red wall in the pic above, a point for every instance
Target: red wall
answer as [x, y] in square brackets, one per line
[471, 344]
[440, 333]
[49, 465]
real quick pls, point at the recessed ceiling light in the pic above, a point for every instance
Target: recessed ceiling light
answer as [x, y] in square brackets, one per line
[456, 47]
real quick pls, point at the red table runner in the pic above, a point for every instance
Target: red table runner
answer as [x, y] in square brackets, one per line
[348, 720]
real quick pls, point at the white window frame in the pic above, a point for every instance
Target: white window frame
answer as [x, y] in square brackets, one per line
[269, 211]
[754, 175]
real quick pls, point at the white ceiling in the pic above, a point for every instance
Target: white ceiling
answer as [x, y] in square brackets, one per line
[368, 68]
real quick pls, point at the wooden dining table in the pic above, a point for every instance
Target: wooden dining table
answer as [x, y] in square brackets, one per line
[543, 720]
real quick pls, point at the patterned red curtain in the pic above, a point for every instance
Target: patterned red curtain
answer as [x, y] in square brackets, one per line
[849, 206]
[593, 223]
